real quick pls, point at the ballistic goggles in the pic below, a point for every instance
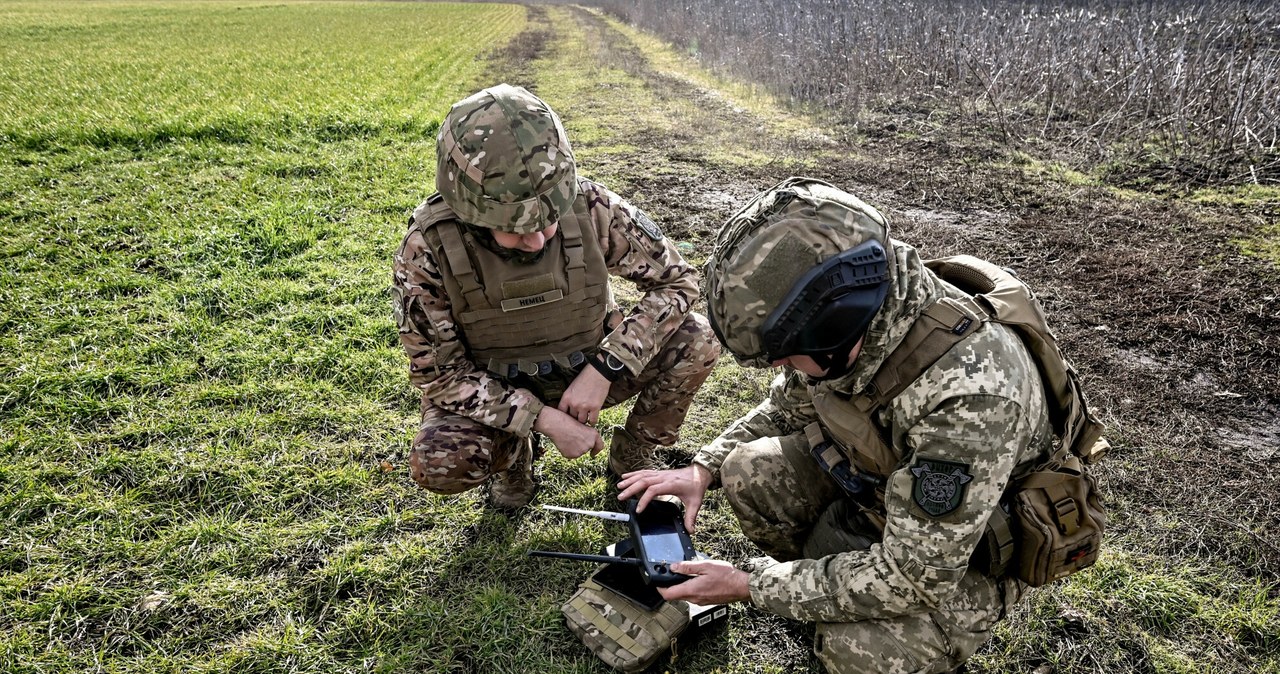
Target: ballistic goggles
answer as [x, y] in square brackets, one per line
[828, 308]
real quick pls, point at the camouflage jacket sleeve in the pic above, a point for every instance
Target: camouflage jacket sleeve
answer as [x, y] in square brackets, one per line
[635, 249]
[967, 422]
[787, 410]
[438, 362]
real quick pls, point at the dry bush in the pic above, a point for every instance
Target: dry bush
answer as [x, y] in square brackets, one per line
[1177, 91]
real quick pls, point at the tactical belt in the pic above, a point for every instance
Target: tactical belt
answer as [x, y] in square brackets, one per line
[533, 368]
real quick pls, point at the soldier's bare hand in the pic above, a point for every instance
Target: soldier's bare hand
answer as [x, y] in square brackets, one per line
[689, 484]
[585, 396]
[572, 438]
[713, 582]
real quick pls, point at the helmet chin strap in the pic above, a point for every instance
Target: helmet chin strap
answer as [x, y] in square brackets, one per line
[836, 361]
[835, 367]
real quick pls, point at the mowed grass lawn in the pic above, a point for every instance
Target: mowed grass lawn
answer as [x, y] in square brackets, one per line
[203, 404]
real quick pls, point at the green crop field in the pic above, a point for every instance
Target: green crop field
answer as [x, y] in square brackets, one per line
[205, 411]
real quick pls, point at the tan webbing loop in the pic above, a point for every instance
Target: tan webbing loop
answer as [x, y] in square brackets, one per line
[813, 434]
[459, 159]
[615, 633]
[672, 615]
[833, 456]
[455, 249]
[600, 622]
[943, 325]
[575, 265]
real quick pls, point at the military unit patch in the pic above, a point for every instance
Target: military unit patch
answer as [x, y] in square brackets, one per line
[648, 225]
[397, 305]
[939, 485]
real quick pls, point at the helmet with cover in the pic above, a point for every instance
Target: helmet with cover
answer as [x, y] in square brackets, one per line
[801, 270]
[503, 161]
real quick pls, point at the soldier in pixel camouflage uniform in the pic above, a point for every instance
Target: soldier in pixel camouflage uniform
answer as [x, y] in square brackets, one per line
[871, 513]
[501, 293]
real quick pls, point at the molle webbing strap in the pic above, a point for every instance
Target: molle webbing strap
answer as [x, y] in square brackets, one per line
[575, 265]
[455, 250]
[525, 333]
[830, 452]
[432, 210]
[611, 631]
[944, 324]
[455, 154]
[670, 618]
[1066, 511]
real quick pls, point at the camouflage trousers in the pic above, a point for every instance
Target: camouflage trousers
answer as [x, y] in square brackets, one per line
[792, 510]
[452, 453]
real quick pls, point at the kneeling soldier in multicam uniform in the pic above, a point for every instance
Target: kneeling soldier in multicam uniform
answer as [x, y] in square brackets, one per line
[501, 293]
[872, 509]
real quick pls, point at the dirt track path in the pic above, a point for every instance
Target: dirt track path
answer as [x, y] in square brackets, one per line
[1172, 328]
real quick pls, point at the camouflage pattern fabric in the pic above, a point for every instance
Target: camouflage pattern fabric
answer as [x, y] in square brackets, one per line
[621, 633]
[665, 388]
[907, 602]
[452, 453]
[937, 641]
[671, 348]
[768, 245]
[914, 576]
[503, 161]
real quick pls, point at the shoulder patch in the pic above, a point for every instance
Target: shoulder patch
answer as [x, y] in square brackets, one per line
[648, 225]
[397, 305]
[939, 486]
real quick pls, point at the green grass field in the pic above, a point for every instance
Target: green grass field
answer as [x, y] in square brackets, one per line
[204, 408]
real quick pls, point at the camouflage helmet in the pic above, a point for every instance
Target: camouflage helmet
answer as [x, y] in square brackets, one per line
[780, 245]
[503, 161]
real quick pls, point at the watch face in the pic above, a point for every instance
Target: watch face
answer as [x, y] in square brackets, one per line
[611, 361]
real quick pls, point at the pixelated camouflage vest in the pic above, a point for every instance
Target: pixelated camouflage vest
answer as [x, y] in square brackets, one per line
[520, 318]
[1051, 523]
[990, 294]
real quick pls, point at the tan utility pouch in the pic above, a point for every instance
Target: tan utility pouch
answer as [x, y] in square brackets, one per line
[1059, 519]
[620, 632]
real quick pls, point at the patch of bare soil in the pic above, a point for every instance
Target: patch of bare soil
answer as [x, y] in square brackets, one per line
[512, 62]
[1173, 330]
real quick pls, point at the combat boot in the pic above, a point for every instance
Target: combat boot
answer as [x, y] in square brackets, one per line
[627, 453]
[515, 487]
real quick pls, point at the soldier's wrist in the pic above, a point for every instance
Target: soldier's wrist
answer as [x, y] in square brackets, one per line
[702, 475]
[533, 413]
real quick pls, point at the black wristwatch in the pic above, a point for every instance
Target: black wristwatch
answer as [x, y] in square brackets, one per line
[609, 366]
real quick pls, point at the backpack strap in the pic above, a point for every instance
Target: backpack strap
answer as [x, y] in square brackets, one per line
[1010, 301]
[943, 324]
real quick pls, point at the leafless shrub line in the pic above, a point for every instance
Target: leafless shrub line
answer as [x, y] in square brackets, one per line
[1183, 88]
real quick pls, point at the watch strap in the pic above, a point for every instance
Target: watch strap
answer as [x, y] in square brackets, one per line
[598, 363]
